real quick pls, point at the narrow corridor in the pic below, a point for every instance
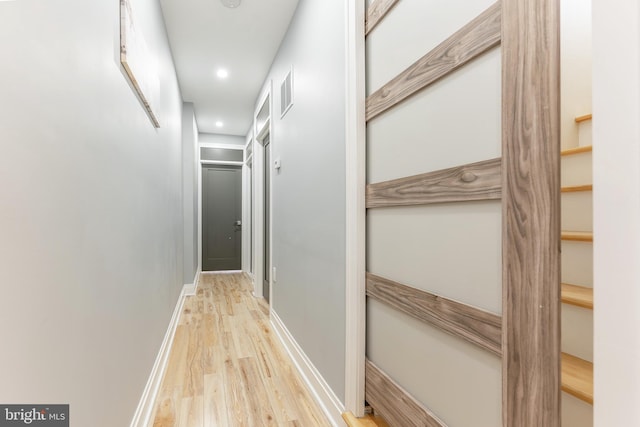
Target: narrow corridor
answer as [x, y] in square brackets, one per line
[227, 366]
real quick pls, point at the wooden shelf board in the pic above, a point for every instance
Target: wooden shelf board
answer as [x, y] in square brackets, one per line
[577, 188]
[577, 295]
[577, 377]
[583, 118]
[366, 421]
[577, 150]
[577, 236]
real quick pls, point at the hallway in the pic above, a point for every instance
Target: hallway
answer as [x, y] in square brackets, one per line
[227, 368]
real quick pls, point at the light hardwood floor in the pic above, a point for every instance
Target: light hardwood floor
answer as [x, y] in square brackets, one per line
[227, 367]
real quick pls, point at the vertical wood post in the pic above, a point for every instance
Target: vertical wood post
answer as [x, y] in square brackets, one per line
[531, 212]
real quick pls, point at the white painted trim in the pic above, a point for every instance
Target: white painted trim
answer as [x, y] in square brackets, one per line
[616, 212]
[320, 390]
[144, 411]
[189, 289]
[221, 162]
[258, 188]
[265, 130]
[199, 195]
[221, 145]
[355, 333]
[246, 205]
[222, 272]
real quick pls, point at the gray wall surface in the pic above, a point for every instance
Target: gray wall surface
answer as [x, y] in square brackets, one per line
[91, 209]
[309, 191]
[189, 190]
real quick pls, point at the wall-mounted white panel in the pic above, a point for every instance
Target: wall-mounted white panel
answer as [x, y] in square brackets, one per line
[410, 30]
[577, 331]
[453, 122]
[577, 263]
[458, 381]
[453, 250]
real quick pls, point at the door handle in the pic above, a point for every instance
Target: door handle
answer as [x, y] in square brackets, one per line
[238, 223]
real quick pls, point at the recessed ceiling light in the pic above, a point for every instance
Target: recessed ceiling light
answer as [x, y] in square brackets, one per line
[222, 73]
[231, 4]
[219, 124]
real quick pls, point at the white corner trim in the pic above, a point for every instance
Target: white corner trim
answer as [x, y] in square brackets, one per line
[324, 395]
[355, 210]
[144, 412]
[190, 289]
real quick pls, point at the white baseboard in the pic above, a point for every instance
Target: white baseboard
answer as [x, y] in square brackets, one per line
[317, 385]
[190, 288]
[144, 412]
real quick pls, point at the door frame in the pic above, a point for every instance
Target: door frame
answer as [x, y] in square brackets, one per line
[201, 162]
[235, 165]
[260, 131]
[247, 197]
[355, 183]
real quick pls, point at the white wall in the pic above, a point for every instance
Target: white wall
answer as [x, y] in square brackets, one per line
[190, 168]
[309, 191]
[91, 210]
[616, 181]
[575, 48]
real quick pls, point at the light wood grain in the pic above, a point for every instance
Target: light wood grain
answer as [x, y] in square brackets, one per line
[577, 150]
[531, 213]
[470, 323]
[577, 295]
[584, 118]
[577, 188]
[393, 403]
[577, 236]
[577, 377]
[376, 12]
[475, 181]
[471, 41]
[366, 421]
[227, 368]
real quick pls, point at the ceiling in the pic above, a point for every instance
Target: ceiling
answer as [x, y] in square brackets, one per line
[206, 36]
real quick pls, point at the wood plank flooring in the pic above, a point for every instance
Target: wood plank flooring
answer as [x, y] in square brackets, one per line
[227, 367]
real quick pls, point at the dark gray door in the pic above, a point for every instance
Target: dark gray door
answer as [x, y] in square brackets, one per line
[267, 216]
[221, 218]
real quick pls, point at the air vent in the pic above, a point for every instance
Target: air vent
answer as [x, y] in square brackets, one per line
[286, 93]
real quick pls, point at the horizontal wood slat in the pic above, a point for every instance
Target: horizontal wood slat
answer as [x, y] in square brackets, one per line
[579, 296]
[376, 12]
[577, 236]
[393, 403]
[577, 150]
[577, 377]
[366, 421]
[475, 181]
[577, 188]
[584, 118]
[470, 323]
[472, 40]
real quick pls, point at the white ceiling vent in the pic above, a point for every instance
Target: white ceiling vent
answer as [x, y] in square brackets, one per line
[286, 93]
